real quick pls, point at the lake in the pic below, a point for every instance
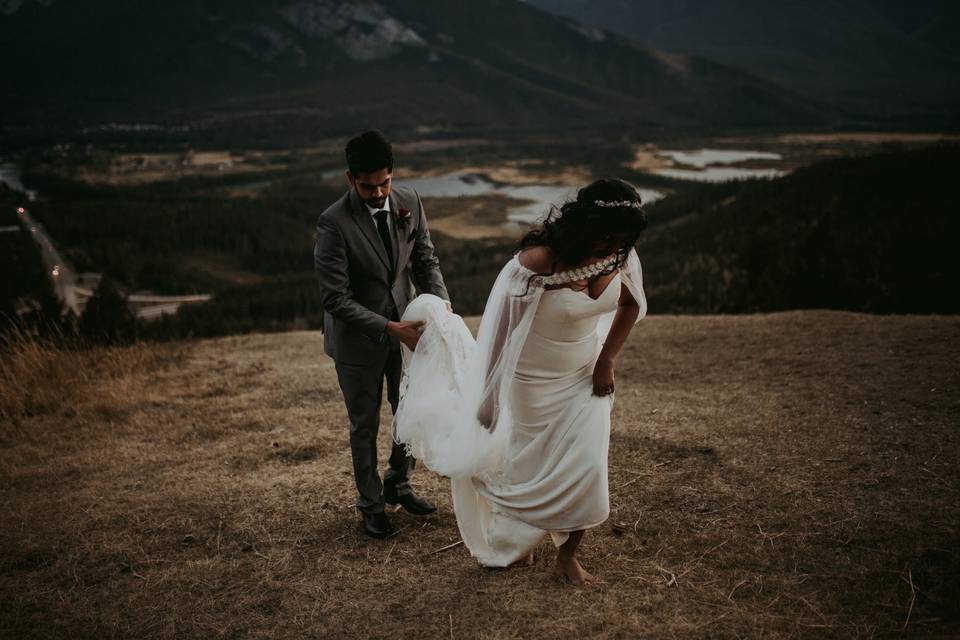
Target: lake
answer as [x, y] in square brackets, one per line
[455, 185]
[719, 174]
[712, 165]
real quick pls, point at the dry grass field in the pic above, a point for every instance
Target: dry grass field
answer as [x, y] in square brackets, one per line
[779, 476]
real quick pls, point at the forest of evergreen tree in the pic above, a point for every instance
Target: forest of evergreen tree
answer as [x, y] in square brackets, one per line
[869, 234]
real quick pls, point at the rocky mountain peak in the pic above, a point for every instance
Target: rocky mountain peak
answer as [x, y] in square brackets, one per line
[364, 30]
[9, 7]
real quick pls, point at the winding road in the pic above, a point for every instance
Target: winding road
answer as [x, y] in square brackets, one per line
[62, 277]
[75, 297]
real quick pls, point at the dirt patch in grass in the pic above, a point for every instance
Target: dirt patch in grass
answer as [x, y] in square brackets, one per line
[787, 475]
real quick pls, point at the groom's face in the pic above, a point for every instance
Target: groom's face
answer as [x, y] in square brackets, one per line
[374, 187]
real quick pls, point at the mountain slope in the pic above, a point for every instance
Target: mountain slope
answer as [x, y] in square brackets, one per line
[884, 57]
[329, 64]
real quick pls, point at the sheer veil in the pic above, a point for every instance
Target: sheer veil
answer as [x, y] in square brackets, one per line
[454, 411]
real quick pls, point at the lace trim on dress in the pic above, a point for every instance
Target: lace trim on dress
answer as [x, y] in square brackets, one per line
[539, 281]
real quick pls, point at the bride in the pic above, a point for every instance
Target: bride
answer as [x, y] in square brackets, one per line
[520, 418]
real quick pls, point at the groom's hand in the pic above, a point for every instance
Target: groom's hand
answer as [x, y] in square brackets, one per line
[406, 332]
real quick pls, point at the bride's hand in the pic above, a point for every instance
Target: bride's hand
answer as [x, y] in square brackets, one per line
[485, 413]
[603, 378]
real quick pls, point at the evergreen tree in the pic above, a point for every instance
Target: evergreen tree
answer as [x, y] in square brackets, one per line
[107, 319]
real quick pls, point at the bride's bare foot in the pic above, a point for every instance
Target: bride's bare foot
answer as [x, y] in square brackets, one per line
[525, 561]
[570, 569]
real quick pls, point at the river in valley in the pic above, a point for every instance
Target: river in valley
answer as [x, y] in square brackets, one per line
[540, 197]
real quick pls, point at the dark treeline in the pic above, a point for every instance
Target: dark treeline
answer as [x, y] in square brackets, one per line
[25, 288]
[145, 236]
[282, 303]
[871, 234]
[29, 304]
[255, 254]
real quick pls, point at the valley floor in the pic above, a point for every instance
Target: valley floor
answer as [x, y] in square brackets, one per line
[784, 475]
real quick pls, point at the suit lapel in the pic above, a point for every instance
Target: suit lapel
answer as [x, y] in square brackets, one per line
[361, 215]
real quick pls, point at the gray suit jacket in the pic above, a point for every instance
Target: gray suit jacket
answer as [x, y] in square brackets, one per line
[359, 290]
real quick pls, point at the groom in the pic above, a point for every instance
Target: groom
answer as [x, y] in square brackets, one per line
[372, 247]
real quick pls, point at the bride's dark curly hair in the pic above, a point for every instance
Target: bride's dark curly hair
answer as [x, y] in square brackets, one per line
[605, 217]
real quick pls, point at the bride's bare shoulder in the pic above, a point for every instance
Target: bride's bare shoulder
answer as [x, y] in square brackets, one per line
[539, 259]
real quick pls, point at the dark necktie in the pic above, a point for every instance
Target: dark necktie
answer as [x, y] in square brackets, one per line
[384, 230]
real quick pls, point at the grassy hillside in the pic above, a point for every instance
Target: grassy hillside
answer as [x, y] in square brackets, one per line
[788, 475]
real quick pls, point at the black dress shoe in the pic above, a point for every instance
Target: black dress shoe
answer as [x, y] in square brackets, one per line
[411, 502]
[377, 525]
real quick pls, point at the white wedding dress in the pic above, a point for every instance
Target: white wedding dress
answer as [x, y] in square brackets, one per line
[511, 418]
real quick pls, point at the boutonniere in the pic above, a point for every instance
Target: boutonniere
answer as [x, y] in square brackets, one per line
[403, 215]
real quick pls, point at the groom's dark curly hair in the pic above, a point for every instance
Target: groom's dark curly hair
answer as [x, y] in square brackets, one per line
[606, 211]
[369, 152]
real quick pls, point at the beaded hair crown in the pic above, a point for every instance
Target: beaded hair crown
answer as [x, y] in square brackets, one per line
[618, 203]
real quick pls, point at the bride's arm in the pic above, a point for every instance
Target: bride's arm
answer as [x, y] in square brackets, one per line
[628, 309]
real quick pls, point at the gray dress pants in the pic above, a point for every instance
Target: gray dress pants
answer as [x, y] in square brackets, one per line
[362, 387]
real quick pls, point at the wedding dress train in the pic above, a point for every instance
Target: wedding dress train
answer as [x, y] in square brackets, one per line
[511, 418]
